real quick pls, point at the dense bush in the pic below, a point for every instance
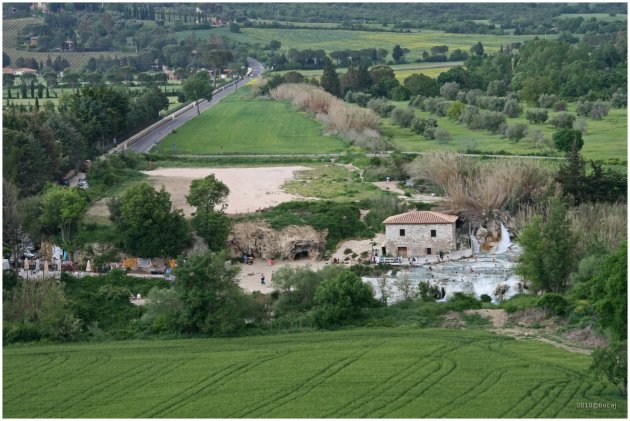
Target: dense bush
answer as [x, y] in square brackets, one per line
[536, 116]
[512, 108]
[520, 302]
[455, 110]
[562, 120]
[516, 132]
[359, 98]
[436, 106]
[441, 135]
[473, 95]
[560, 106]
[564, 139]
[599, 110]
[554, 304]
[492, 103]
[468, 114]
[619, 99]
[449, 90]
[381, 106]
[461, 302]
[341, 299]
[419, 125]
[496, 88]
[547, 101]
[403, 117]
[487, 120]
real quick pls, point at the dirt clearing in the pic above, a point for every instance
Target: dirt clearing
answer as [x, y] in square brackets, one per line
[250, 188]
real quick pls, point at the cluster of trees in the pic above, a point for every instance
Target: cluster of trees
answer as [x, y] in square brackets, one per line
[590, 284]
[42, 146]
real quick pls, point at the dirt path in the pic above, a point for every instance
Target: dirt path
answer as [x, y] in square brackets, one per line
[393, 187]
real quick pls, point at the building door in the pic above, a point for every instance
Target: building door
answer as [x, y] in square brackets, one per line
[429, 251]
[402, 251]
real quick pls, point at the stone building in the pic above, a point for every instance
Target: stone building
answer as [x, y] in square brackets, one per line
[419, 233]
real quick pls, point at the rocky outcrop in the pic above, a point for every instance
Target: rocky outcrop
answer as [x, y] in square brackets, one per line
[258, 239]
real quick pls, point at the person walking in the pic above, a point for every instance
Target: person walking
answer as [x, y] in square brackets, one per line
[262, 279]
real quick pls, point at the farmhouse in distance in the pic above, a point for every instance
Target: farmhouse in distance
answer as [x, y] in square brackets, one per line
[419, 233]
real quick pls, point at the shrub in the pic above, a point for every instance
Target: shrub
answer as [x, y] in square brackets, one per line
[560, 106]
[359, 98]
[547, 101]
[583, 108]
[417, 101]
[455, 110]
[468, 113]
[485, 298]
[429, 133]
[488, 120]
[419, 125]
[512, 108]
[599, 110]
[442, 135]
[556, 304]
[619, 99]
[492, 103]
[536, 116]
[341, 299]
[564, 139]
[449, 90]
[436, 106]
[496, 88]
[403, 117]
[380, 106]
[519, 302]
[562, 120]
[473, 96]
[580, 125]
[461, 302]
[516, 132]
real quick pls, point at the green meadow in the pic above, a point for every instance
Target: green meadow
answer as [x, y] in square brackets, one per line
[358, 373]
[334, 40]
[604, 139]
[402, 71]
[241, 124]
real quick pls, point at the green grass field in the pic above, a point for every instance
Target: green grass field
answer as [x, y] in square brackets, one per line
[240, 124]
[334, 40]
[605, 139]
[402, 71]
[599, 16]
[358, 373]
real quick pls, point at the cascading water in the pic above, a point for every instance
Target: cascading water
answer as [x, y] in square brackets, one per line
[474, 244]
[505, 243]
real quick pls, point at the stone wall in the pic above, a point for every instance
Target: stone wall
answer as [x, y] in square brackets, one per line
[418, 238]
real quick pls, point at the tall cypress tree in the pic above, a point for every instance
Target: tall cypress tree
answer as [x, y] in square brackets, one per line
[330, 79]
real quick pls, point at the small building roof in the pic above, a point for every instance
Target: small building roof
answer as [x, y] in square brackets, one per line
[421, 217]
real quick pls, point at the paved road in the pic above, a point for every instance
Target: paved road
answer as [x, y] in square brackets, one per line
[151, 139]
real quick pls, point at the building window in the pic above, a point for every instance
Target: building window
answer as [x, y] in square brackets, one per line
[429, 251]
[433, 233]
[402, 233]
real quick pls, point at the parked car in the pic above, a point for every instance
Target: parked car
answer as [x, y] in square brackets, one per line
[83, 184]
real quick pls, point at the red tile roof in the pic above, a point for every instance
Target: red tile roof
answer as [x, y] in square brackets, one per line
[421, 217]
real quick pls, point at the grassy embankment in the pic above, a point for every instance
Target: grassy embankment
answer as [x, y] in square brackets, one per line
[378, 372]
[605, 139]
[240, 124]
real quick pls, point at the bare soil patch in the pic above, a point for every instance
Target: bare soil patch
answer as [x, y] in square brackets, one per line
[251, 189]
[497, 317]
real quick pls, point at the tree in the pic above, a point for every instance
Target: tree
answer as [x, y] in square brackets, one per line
[477, 49]
[197, 87]
[548, 250]
[341, 299]
[565, 139]
[610, 293]
[612, 362]
[234, 27]
[562, 120]
[535, 86]
[63, 209]
[146, 224]
[212, 301]
[330, 79]
[397, 53]
[536, 116]
[449, 90]
[512, 108]
[420, 84]
[12, 219]
[210, 223]
[274, 45]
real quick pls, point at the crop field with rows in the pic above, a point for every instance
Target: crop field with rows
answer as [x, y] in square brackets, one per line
[391, 373]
